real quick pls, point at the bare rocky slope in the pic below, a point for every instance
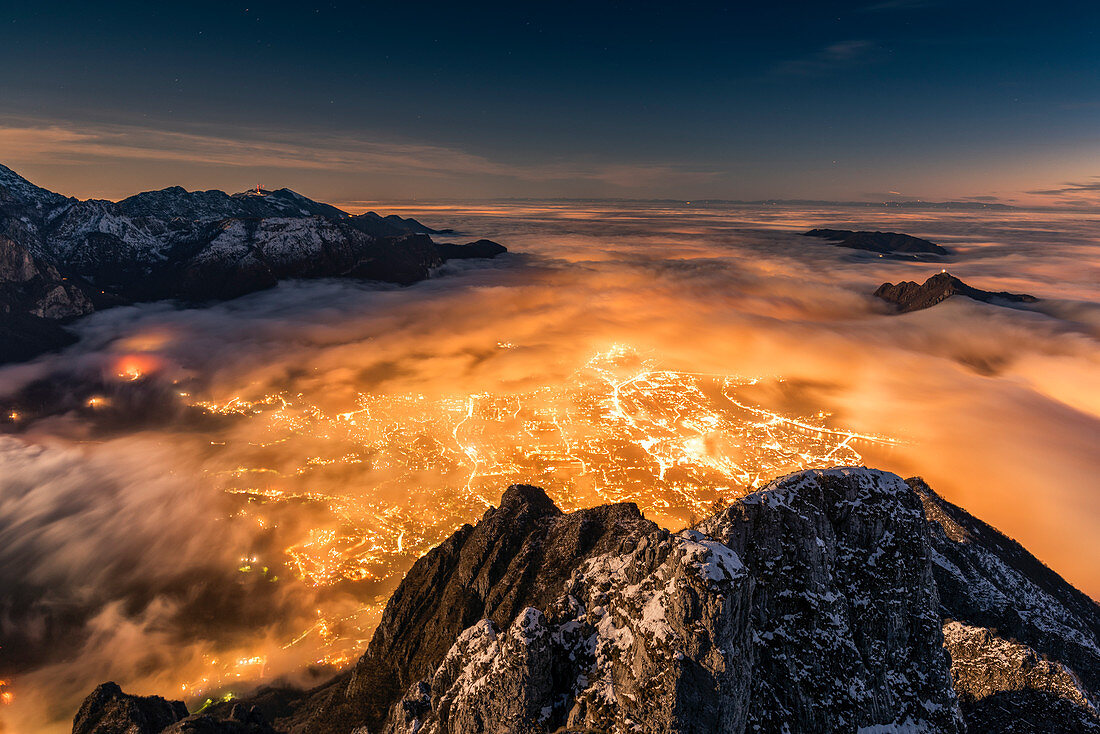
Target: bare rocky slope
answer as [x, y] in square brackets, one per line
[842, 600]
[61, 257]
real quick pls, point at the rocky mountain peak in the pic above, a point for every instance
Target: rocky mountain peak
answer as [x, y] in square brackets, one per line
[909, 296]
[109, 709]
[524, 497]
[836, 600]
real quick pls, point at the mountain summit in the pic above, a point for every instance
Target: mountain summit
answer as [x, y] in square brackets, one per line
[910, 296]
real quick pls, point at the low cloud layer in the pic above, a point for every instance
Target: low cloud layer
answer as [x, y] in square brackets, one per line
[1070, 187]
[161, 550]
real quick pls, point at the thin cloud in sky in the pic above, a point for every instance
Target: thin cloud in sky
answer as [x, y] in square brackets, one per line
[343, 166]
[829, 59]
[36, 142]
[1071, 188]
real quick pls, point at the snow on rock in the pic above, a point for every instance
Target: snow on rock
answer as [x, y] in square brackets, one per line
[987, 581]
[613, 652]
[768, 615]
[203, 245]
[845, 616]
[713, 561]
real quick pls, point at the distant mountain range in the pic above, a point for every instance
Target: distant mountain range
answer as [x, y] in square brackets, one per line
[842, 600]
[908, 204]
[884, 243]
[61, 257]
[975, 205]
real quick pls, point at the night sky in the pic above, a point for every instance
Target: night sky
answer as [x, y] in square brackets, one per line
[346, 102]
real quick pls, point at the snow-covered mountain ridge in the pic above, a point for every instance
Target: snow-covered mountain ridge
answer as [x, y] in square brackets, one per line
[194, 246]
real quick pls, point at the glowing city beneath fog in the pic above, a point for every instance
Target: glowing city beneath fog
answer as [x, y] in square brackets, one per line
[411, 469]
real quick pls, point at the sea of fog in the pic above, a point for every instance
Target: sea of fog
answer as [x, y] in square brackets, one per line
[200, 500]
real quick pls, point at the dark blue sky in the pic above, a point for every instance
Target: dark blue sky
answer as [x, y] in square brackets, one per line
[350, 101]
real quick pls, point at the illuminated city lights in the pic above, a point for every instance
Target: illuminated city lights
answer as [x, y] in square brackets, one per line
[387, 478]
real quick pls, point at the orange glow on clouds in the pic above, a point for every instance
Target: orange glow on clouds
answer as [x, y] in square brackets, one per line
[132, 367]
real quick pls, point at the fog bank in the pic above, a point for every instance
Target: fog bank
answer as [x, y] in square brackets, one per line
[197, 500]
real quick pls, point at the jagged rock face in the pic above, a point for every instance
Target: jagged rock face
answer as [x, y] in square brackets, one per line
[880, 242]
[518, 556]
[845, 617]
[809, 604]
[630, 642]
[16, 263]
[988, 581]
[985, 666]
[909, 296]
[33, 296]
[817, 604]
[30, 286]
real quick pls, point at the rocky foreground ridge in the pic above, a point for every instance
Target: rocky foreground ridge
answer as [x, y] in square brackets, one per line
[61, 258]
[842, 600]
